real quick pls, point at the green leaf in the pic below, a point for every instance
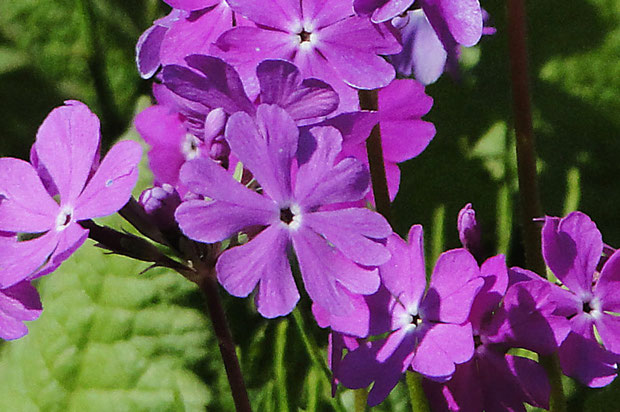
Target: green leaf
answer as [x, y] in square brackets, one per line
[110, 339]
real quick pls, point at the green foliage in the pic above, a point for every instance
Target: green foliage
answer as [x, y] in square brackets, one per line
[110, 339]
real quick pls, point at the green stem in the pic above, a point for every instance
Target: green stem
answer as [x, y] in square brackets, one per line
[315, 355]
[280, 368]
[419, 403]
[526, 166]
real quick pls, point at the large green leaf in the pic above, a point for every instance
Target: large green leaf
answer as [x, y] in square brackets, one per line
[110, 339]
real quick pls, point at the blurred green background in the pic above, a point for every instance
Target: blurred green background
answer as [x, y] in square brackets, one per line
[112, 339]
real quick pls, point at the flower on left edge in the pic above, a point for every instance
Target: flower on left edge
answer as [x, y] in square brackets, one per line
[42, 202]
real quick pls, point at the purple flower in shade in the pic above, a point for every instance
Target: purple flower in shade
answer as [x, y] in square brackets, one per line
[331, 246]
[67, 146]
[18, 303]
[381, 10]
[324, 39]
[430, 331]
[190, 28]
[432, 35]
[215, 84]
[404, 135]
[493, 380]
[572, 248]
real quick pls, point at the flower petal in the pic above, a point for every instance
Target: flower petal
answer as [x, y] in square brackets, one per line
[278, 14]
[67, 145]
[608, 327]
[352, 231]
[281, 83]
[111, 186]
[442, 347]
[572, 247]
[18, 303]
[608, 285]
[19, 260]
[326, 273]
[266, 147]
[263, 261]
[454, 284]
[405, 275]
[585, 360]
[319, 181]
[25, 205]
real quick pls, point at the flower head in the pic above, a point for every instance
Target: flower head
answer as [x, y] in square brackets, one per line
[297, 175]
[66, 148]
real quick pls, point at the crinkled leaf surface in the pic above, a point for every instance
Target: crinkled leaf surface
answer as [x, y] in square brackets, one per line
[110, 339]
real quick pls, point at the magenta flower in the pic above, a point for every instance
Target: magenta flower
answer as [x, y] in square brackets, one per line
[381, 10]
[404, 135]
[430, 331]
[18, 303]
[470, 233]
[331, 246]
[324, 39]
[190, 28]
[67, 146]
[572, 248]
[432, 35]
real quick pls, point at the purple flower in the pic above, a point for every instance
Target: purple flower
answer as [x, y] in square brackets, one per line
[494, 380]
[67, 146]
[190, 28]
[331, 246]
[18, 303]
[324, 39]
[572, 248]
[432, 35]
[430, 331]
[404, 135]
[381, 10]
[215, 84]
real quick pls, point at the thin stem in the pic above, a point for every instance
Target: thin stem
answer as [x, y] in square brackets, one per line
[526, 151]
[419, 403]
[315, 355]
[208, 285]
[526, 166]
[279, 365]
[369, 100]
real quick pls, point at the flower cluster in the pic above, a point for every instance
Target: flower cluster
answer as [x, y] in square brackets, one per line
[258, 149]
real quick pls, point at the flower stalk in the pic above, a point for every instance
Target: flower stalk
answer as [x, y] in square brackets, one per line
[369, 100]
[526, 167]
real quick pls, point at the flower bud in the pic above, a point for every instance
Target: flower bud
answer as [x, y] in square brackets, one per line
[160, 203]
[469, 230]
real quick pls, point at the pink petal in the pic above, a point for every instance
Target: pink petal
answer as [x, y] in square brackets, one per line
[19, 260]
[348, 46]
[279, 14]
[319, 181]
[608, 327]
[320, 13]
[607, 288]
[195, 35]
[192, 4]
[111, 186]
[326, 273]
[266, 148]
[405, 275]
[454, 284]
[264, 260]
[67, 145]
[351, 231]
[25, 205]
[18, 303]
[442, 347]
[572, 248]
